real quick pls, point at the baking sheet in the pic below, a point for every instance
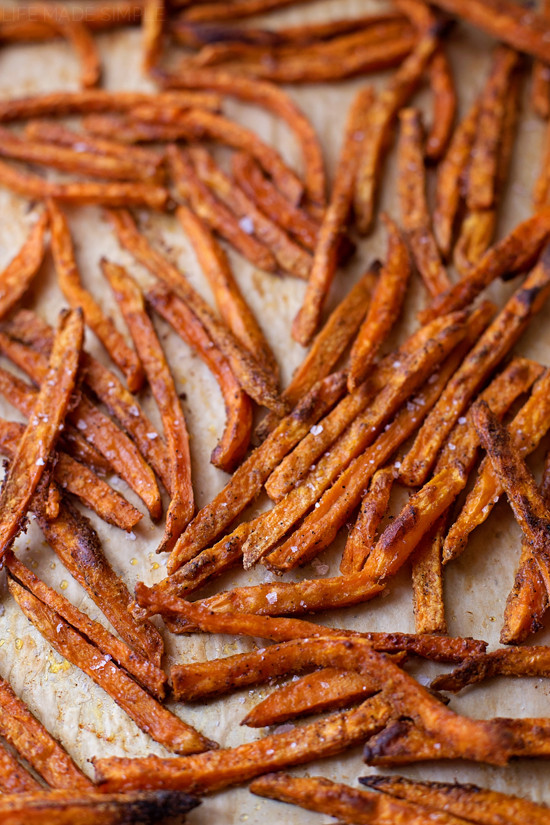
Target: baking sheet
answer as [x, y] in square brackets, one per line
[85, 720]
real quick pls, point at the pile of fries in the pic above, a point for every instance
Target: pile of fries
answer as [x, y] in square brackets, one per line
[413, 409]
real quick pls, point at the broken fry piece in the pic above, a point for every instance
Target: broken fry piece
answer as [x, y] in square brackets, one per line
[509, 661]
[373, 508]
[18, 275]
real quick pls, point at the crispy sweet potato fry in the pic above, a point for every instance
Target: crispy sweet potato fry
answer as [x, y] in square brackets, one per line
[527, 602]
[476, 234]
[152, 26]
[527, 429]
[444, 106]
[427, 581]
[348, 804]
[69, 281]
[259, 385]
[14, 779]
[236, 11]
[384, 309]
[33, 742]
[75, 542]
[540, 87]
[382, 115]
[232, 446]
[328, 345]
[468, 801]
[508, 661]
[491, 348]
[151, 355]
[450, 174]
[362, 536]
[19, 273]
[229, 299]
[334, 220]
[38, 440]
[541, 190]
[145, 711]
[146, 673]
[415, 217]
[70, 808]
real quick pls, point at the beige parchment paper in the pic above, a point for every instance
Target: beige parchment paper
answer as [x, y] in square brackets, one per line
[84, 719]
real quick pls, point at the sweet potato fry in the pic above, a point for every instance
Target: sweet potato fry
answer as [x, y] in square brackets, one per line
[334, 220]
[348, 804]
[78, 480]
[427, 581]
[415, 217]
[527, 602]
[384, 309]
[405, 379]
[444, 106]
[69, 281]
[362, 536]
[322, 690]
[145, 711]
[14, 779]
[476, 234]
[33, 742]
[70, 808]
[75, 542]
[328, 345]
[146, 673]
[232, 446]
[540, 86]
[38, 440]
[218, 769]
[467, 801]
[541, 190]
[289, 255]
[132, 305]
[509, 661]
[450, 173]
[232, 306]
[152, 27]
[515, 253]
[20, 272]
[491, 348]
[259, 385]
[382, 115]
[527, 429]
[236, 11]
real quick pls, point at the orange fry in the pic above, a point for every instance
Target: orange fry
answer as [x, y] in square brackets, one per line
[444, 106]
[20, 272]
[362, 536]
[152, 27]
[130, 300]
[415, 216]
[69, 281]
[334, 220]
[491, 348]
[38, 440]
[33, 742]
[540, 87]
[237, 10]
[427, 581]
[14, 778]
[146, 712]
[527, 602]
[384, 309]
[377, 134]
[509, 661]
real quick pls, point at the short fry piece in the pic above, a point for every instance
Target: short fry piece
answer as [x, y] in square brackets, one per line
[43, 429]
[444, 106]
[14, 779]
[508, 661]
[362, 536]
[17, 276]
[427, 581]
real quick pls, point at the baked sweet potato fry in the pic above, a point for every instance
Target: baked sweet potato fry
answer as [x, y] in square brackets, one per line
[474, 804]
[527, 602]
[233, 444]
[541, 189]
[384, 309]
[415, 217]
[70, 808]
[334, 222]
[259, 385]
[38, 440]
[14, 778]
[362, 536]
[508, 661]
[152, 26]
[491, 348]
[427, 581]
[20, 272]
[33, 742]
[444, 94]
[377, 134]
[144, 671]
[132, 305]
[347, 804]
[236, 11]
[540, 83]
[145, 711]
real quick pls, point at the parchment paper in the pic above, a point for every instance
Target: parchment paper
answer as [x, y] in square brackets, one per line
[85, 720]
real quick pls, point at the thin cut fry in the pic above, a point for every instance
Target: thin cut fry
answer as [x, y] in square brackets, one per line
[151, 355]
[334, 221]
[540, 86]
[491, 348]
[20, 272]
[38, 440]
[362, 536]
[233, 444]
[33, 742]
[259, 385]
[145, 711]
[509, 661]
[385, 307]
[415, 217]
[444, 106]
[237, 10]
[152, 27]
[69, 281]
[527, 602]
[468, 801]
[427, 581]
[382, 115]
